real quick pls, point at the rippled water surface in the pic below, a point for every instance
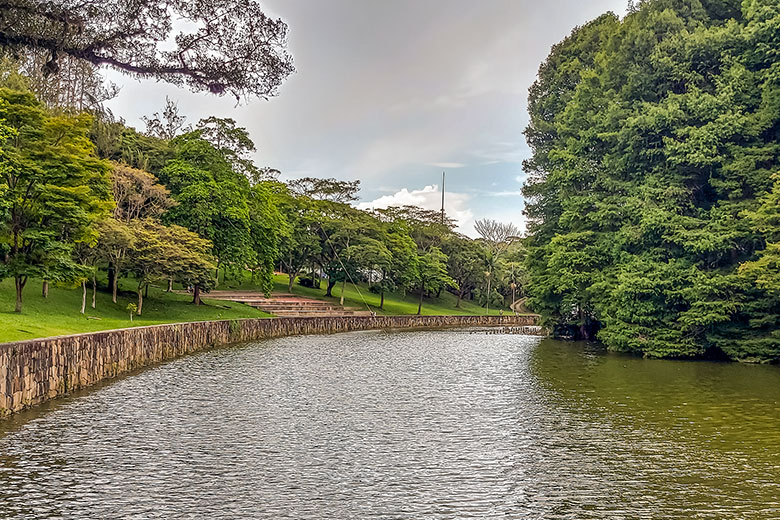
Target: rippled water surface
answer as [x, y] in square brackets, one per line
[404, 426]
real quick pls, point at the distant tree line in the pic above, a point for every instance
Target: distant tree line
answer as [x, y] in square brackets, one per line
[85, 198]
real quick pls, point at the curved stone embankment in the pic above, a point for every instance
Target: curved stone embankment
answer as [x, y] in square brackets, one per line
[36, 370]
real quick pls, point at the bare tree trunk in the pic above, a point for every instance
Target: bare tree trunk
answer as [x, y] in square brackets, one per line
[146, 291]
[487, 301]
[83, 296]
[291, 279]
[343, 285]
[140, 300]
[19, 281]
[419, 306]
[111, 275]
[170, 285]
[331, 284]
[382, 299]
[460, 297]
[196, 295]
[45, 289]
[94, 291]
[114, 286]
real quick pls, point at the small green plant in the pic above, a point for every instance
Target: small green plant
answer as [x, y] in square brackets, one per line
[132, 309]
[235, 327]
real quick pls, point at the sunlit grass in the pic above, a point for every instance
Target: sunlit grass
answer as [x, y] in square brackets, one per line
[59, 313]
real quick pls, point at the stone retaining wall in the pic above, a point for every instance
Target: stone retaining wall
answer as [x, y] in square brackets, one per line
[36, 370]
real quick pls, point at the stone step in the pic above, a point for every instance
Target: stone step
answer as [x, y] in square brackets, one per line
[321, 311]
[334, 314]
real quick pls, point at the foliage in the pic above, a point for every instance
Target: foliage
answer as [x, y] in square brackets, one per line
[224, 46]
[54, 190]
[168, 252]
[212, 199]
[654, 140]
[431, 273]
[326, 189]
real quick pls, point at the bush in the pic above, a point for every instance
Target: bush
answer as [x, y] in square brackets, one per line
[307, 282]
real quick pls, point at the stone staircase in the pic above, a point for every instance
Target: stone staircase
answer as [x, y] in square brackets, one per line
[287, 305]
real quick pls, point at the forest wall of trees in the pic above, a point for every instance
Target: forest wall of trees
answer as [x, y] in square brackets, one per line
[654, 186]
[34, 371]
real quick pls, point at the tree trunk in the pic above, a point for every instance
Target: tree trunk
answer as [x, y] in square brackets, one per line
[146, 291]
[331, 284]
[111, 276]
[419, 306]
[460, 297]
[19, 282]
[45, 289]
[114, 286]
[94, 290]
[140, 301]
[291, 279]
[487, 300]
[196, 295]
[170, 285]
[343, 285]
[438, 293]
[83, 296]
[382, 300]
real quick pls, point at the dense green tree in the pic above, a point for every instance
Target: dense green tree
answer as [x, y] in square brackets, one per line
[464, 264]
[162, 252]
[653, 138]
[300, 239]
[137, 196]
[268, 228]
[54, 189]
[212, 199]
[431, 273]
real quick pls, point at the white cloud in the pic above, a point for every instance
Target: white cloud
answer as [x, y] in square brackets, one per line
[456, 204]
[448, 164]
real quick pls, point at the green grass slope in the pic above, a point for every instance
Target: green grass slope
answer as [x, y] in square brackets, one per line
[59, 313]
[395, 303]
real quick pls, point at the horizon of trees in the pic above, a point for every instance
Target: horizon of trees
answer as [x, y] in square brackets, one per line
[81, 193]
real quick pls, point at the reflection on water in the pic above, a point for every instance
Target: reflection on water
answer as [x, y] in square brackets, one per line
[408, 425]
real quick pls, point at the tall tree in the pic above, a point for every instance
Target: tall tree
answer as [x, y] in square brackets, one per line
[497, 236]
[212, 199]
[223, 46]
[54, 188]
[137, 196]
[464, 264]
[431, 273]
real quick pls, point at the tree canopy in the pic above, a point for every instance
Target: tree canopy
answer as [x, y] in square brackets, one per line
[654, 142]
[223, 46]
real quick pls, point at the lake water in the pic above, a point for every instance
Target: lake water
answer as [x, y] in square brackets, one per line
[439, 425]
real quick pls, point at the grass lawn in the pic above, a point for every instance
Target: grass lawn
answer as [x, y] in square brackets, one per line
[59, 313]
[395, 303]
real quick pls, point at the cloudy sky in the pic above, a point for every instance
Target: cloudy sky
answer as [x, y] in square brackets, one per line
[394, 93]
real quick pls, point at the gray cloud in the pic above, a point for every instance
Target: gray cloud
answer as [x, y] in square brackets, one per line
[392, 92]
